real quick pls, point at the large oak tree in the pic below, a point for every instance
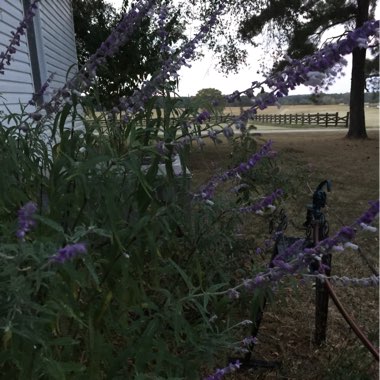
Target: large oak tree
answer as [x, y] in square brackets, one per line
[296, 28]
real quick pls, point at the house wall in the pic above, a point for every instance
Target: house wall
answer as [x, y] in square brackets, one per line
[58, 40]
[17, 82]
[55, 45]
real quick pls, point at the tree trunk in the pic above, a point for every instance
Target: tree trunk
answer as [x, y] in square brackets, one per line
[357, 118]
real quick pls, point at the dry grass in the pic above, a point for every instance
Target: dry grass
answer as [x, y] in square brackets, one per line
[287, 328]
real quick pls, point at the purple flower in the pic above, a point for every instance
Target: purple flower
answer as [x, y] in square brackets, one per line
[252, 283]
[249, 341]
[68, 252]
[38, 95]
[25, 219]
[233, 294]
[161, 148]
[36, 116]
[316, 70]
[370, 214]
[208, 190]
[228, 132]
[119, 36]
[296, 257]
[168, 70]
[203, 116]
[214, 136]
[345, 233]
[16, 36]
[162, 33]
[265, 202]
[220, 372]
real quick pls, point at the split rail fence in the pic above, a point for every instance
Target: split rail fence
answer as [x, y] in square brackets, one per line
[323, 119]
[315, 119]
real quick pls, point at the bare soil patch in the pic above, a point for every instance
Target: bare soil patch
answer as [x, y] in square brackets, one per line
[287, 329]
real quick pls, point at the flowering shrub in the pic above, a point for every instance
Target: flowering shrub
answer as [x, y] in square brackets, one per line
[114, 270]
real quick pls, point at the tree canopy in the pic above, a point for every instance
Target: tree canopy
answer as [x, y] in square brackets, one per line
[292, 28]
[210, 98]
[296, 28]
[138, 59]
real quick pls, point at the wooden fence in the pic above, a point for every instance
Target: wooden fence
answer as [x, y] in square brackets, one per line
[321, 119]
[325, 119]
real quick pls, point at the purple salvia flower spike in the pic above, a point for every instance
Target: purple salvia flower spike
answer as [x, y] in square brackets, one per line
[296, 258]
[370, 214]
[208, 190]
[220, 372]
[311, 70]
[68, 252]
[265, 202]
[169, 70]
[119, 36]
[25, 219]
[5, 57]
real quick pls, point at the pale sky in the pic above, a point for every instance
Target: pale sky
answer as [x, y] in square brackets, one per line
[203, 74]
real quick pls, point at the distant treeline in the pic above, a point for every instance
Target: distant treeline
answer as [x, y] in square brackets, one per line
[326, 99]
[321, 98]
[309, 99]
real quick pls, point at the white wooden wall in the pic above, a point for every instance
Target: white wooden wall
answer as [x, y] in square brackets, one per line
[59, 51]
[55, 40]
[17, 82]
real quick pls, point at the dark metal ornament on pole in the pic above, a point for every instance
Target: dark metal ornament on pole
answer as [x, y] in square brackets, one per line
[316, 221]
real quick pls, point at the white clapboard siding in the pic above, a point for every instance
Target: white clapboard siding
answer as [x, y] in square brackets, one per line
[17, 82]
[14, 98]
[58, 40]
[56, 51]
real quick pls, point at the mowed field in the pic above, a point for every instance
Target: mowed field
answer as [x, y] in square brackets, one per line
[287, 330]
[371, 113]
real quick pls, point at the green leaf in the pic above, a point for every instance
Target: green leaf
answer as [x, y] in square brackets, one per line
[53, 369]
[50, 223]
[184, 276]
[64, 341]
[91, 269]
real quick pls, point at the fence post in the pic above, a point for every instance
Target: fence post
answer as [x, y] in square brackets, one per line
[336, 118]
[347, 119]
[327, 120]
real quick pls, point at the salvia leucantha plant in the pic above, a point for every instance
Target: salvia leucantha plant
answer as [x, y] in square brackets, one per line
[112, 267]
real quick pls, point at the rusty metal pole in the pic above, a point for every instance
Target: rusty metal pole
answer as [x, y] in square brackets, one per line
[318, 227]
[321, 295]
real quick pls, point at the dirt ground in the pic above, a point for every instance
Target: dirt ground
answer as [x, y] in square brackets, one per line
[287, 329]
